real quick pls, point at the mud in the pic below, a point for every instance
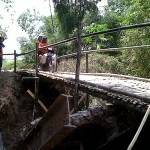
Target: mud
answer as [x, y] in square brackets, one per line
[16, 109]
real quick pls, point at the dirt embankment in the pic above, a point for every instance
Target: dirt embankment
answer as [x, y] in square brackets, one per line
[16, 108]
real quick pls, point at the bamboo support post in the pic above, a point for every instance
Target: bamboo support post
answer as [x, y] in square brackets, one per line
[36, 84]
[76, 97]
[15, 61]
[39, 101]
[87, 62]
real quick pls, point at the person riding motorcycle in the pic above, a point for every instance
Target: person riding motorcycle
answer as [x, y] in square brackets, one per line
[42, 45]
[45, 54]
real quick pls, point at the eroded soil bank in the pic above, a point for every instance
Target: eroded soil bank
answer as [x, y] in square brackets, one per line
[16, 108]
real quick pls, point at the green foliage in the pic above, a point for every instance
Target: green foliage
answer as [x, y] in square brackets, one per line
[54, 32]
[3, 33]
[99, 40]
[67, 18]
[119, 6]
[7, 6]
[26, 46]
[63, 49]
[112, 20]
[8, 65]
[21, 64]
[95, 28]
[137, 60]
[29, 22]
[71, 13]
[106, 63]
[7, 1]
[124, 12]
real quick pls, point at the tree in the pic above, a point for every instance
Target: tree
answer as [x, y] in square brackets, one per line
[70, 13]
[3, 32]
[7, 5]
[30, 22]
[98, 41]
[25, 46]
[138, 60]
[53, 32]
[133, 12]
[119, 6]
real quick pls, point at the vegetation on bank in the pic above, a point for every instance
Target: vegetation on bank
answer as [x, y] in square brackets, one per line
[21, 64]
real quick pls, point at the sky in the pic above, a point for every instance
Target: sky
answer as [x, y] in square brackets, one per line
[10, 22]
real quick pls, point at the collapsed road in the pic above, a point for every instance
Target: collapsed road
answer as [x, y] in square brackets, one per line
[109, 125]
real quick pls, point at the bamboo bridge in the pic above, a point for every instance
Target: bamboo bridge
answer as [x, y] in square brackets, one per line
[129, 93]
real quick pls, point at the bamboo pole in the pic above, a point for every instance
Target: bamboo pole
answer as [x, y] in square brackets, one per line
[39, 101]
[76, 96]
[15, 61]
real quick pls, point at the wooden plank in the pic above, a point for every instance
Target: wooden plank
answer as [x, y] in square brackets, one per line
[39, 101]
[60, 135]
[52, 128]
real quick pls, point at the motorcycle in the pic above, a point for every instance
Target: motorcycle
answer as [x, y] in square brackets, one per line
[47, 61]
